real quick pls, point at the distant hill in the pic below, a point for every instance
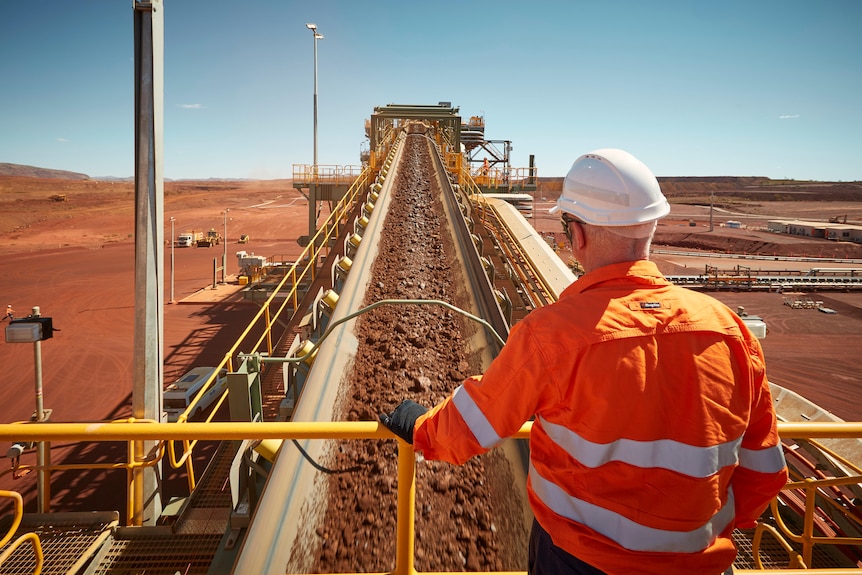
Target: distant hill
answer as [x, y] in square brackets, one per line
[21, 171]
[698, 189]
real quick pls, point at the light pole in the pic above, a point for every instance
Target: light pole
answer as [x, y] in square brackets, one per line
[43, 451]
[224, 257]
[172, 260]
[317, 36]
[711, 208]
[34, 329]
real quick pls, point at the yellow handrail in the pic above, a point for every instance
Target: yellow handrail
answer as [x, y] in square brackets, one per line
[504, 178]
[317, 247]
[132, 430]
[31, 537]
[336, 174]
[807, 538]
[795, 558]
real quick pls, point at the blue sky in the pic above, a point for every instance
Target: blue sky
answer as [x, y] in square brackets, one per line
[693, 88]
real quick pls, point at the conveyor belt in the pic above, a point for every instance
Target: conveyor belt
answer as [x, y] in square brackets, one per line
[295, 489]
[543, 276]
[771, 283]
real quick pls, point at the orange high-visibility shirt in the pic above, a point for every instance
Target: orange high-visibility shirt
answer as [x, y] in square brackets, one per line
[654, 432]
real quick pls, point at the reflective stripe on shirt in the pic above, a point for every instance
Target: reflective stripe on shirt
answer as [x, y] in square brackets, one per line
[770, 460]
[482, 429]
[663, 453]
[625, 532]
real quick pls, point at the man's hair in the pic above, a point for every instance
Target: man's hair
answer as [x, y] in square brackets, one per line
[621, 247]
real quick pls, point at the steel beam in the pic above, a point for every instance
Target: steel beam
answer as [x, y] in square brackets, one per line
[149, 246]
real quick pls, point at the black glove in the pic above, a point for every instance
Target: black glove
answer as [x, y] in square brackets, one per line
[402, 420]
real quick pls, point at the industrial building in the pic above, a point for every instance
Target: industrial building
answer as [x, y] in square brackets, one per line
[826, 230]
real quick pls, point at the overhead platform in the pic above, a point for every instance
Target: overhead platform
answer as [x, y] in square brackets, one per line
[444, 116]
[324, 183]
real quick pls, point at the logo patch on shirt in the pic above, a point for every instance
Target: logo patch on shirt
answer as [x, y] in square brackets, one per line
[649, 305]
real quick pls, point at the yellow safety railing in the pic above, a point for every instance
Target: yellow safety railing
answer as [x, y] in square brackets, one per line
[816, 493]
[304, 268]
[32, 538]
[468, 184]
[131, 464]
[264, 321]
[131, 430]
[305, 174]
[504, 178]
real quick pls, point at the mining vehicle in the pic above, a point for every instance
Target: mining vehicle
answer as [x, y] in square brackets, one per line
[189, 239]
[210, 239]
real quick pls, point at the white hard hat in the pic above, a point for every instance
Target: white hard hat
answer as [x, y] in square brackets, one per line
[610, 187]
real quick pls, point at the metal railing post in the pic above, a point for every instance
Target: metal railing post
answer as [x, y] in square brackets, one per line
[405, 524]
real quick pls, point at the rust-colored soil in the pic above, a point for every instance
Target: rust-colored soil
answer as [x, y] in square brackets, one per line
[75, 260]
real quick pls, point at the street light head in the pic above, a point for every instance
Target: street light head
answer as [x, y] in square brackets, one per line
[29, 330]
[318, 36]
[311, 26]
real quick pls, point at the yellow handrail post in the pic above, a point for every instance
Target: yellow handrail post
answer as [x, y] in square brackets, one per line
[268, 323]
[294, 291]
[405, 523]
[19, 514]
[795, 559]
[37, 551]
[190, 465]
[136, 487]
[808, 528]
[33, 538]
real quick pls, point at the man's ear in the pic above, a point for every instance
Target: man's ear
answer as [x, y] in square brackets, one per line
[579, 238]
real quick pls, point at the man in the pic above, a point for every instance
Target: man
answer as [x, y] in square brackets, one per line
[654, 432]
[10, 313]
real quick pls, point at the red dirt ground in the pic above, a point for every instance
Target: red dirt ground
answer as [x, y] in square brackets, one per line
[75, 260]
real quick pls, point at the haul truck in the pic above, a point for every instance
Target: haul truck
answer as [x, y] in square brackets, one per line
[189, 239]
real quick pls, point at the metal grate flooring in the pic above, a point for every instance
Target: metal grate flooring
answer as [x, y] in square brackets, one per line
[74, 539]
[190, 547]
[159, 555]
[773, 555]
[67, 539]
[213, 489]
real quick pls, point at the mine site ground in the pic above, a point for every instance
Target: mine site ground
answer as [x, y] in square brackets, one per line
[75, 260]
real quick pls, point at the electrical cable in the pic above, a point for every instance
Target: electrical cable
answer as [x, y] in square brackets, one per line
[321, 468]
[331, 326]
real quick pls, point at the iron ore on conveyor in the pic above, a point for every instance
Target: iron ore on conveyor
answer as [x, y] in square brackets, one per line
[467, 518]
